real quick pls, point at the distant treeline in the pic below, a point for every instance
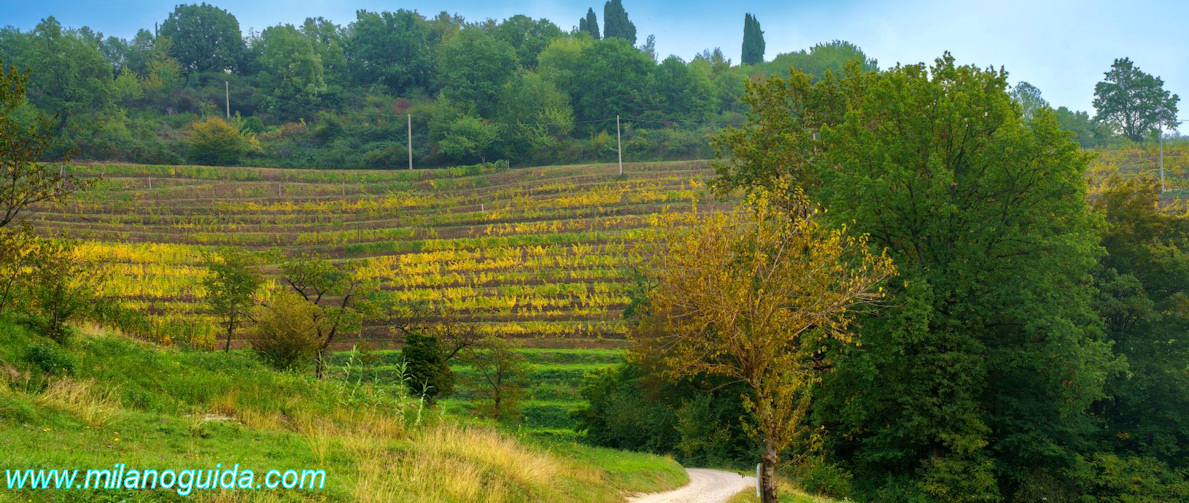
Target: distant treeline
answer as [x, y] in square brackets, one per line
[324, 95]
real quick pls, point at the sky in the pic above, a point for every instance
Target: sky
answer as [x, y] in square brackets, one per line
[1061, 46]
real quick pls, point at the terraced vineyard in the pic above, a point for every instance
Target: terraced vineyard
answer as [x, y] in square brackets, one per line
[543, 254]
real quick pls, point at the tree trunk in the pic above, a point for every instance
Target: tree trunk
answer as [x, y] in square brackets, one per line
[227, 346]
[318, 364]
[768, 475]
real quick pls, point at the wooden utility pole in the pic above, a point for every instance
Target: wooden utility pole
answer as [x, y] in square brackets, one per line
[227, 97]
[1162, 187]
[410, 117]
[619, 144]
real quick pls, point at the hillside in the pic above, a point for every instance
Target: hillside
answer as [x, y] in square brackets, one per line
[536, 253]
[106, 400]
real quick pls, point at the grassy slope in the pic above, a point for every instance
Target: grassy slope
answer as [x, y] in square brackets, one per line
[140, 405]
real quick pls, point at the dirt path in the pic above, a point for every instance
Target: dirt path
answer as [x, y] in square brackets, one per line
[705, 486]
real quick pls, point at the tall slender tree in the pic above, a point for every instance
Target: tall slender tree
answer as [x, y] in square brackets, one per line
[753, 41]
[590, 24]
[616, 22]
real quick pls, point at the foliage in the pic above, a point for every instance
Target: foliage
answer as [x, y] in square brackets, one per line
[286, 332]
[528, 37]
[391, 49]
[428, 371]
[759, 303]
[291, 68]
[50, 358]
[499, 373]
[616, 22]
[233, 276]
[1029, 98]
[22, 145]
[338, 298]
[753, 41]
[217, 143]
[1143, 297]
[1132, 102]
[473, 67]
[63, 285]
[204, 38]
[589, 24]
[929, 162]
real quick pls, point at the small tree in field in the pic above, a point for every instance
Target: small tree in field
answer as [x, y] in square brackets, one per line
[285, 334]
[63, 284]
[232, 279]
[758, 295]
[338, 293]
[499, 373]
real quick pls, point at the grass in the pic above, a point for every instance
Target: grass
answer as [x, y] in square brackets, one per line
[786, 493]
[148, 407]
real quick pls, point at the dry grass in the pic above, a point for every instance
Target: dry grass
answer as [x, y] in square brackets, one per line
[84, 399]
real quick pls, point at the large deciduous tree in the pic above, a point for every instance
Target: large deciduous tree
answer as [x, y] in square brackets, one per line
[204, 38]
[977, 386]
[1132, 102]
[473, 67]
[290, 68]
[753, 41]
[528, 37]
[758, 295]
[392, 49]
[616, 22]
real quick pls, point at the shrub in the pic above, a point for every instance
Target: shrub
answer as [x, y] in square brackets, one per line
[286, 333]
[50, 358]
[429, 374]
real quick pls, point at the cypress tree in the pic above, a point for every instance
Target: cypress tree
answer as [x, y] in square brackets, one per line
[616, 23]
[589, 24]
[753, 41]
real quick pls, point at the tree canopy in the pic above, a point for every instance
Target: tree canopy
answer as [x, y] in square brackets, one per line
[1132, 102]
[753, 41]
[616, 22]
[204, 38]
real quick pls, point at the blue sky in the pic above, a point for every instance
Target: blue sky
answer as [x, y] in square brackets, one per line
[1061, 46]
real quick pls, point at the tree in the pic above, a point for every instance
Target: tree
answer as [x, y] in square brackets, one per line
[427, 367]
[499, 372]
[290, 68]
[1088, 132]
[1029, 99]
[215, 142]
[64, 284]
[753, 41]
[285, 334]
[684, 93]
[757, 295]
[26, 180]
[957, 394]
[590, 24]
[473, 67]
[528, 37]
[1143, 289]
[204, 38]
[391, 49]
[231, 282]
[467, 137]
[1132, 102]
[616, 22]
[612, 78]
[339, 296]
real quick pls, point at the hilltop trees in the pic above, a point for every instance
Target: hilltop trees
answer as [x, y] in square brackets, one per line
[590, 24]
[290, 67]
[616, 22]
[1029, 98]
[1132, 102]
[392, 49]
[204, 38]
[753, 41]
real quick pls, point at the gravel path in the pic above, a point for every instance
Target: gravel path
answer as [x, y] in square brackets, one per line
[705, 486]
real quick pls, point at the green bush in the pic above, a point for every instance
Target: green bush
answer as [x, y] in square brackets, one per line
[50, 358]
[429, 374]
